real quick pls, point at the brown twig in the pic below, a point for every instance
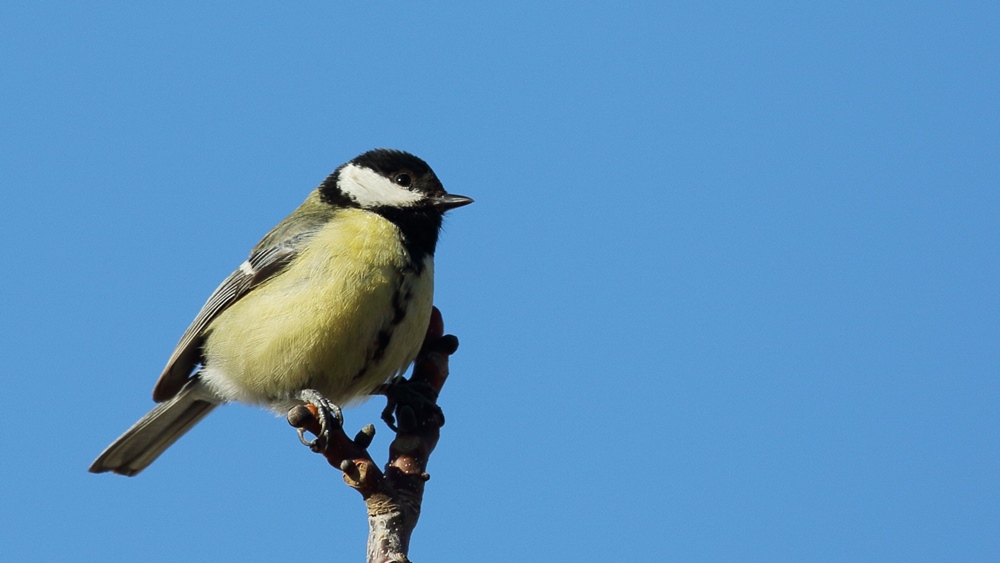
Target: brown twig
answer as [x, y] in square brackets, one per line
[394, 497]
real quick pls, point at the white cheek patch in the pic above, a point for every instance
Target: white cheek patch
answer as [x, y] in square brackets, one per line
[371, 189]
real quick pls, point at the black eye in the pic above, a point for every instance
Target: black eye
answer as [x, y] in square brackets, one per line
[403, 180]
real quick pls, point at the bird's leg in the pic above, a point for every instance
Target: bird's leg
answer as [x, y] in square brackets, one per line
[390, 403]
[408, 403]
[326, 411]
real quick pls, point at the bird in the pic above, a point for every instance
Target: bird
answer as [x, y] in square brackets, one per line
[331, 304]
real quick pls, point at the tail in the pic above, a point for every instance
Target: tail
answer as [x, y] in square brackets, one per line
[140, 445]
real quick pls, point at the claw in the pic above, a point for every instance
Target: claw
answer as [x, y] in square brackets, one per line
[302, 437]
[408, 404]
[325, 410]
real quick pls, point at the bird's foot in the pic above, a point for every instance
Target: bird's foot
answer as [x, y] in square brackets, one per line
[326, 412]
[409, 404]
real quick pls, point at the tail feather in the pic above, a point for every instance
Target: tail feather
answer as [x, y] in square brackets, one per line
[140, 445]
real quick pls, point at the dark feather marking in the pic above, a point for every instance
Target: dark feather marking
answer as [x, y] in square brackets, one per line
[400, 300]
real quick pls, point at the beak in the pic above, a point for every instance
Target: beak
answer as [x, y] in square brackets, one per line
[451, 201]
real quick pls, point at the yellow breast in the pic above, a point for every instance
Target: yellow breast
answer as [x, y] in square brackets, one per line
[330, 321]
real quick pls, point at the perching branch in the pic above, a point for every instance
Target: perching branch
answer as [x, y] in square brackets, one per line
[394, 497]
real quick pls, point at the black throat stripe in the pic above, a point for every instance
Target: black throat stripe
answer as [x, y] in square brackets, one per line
[419, 228]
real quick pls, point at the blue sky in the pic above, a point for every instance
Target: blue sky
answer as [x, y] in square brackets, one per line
[729, 290]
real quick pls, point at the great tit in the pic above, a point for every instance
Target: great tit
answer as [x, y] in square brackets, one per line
[333, 302]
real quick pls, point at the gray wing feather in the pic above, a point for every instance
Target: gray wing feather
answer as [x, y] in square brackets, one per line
[267, 260]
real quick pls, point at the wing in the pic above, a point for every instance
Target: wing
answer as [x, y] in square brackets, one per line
[271, 256]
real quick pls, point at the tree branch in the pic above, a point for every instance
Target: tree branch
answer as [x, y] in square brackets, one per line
[394, 497]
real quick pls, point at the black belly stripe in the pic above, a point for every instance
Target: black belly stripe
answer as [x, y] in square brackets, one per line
[381, 343]
[400, 299]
